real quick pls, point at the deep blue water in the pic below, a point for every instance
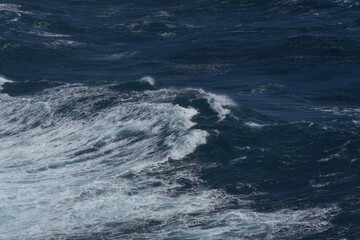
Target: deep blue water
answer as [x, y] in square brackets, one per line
[203, 119]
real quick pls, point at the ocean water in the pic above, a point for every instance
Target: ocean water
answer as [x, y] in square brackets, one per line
[203, 119]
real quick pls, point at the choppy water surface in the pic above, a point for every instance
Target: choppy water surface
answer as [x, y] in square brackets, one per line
[180, 119]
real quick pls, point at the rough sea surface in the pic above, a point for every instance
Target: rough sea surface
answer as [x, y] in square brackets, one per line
[202, 119]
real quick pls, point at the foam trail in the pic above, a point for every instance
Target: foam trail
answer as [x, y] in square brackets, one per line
[10, 7]
[255, 125]
[245, 224]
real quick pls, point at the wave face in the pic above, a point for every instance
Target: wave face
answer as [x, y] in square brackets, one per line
[203, 119]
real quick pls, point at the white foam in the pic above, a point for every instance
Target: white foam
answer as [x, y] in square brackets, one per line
[339, 111]
[3, 80]
[52, 172]
[332, 156]
[219, 103]
[167, 34]
[245, 224]
[48, 34]
[255, 125]
[62, 43]
[9, 7]
[262, 88]
[116, 56]
[186, 144]
[69, 165]
[148, 79]
[210, 67]
[162, 14]
[15, 8]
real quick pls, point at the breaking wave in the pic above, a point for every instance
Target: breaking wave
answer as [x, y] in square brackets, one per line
[113, 160]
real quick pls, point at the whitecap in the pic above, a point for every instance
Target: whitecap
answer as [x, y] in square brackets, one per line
[15, 8]
[115, 56]
[148, 79]
[356, 122]
[64, 43]
[340, 111]
[10, 7]
[3, 80]
[219, 103]
[263, 88]
[186, 144]
[48, 34]
[162, 13]
[246, 224]
[255, 125]
[167, 34]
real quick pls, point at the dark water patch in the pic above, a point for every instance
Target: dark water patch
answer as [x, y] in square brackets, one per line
[34, 57]
[217, 52]
[138, 229]
[137, 86]
[85, 151]
[352, 95]
[27, 87]
[283, 163]
[313, 46]
[306, 6]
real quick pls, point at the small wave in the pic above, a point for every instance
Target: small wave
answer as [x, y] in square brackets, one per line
[116, 56]
[345, 111]
[263, 88]
[15, 8]
[64, 43]
[245, 224]
[3, 80]
[219, 104]
[10, 7]
[48, 34]
[211, 68]
[167, 34]
[187, 144]
[255, 125]
[162, 14]
[148, 80]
